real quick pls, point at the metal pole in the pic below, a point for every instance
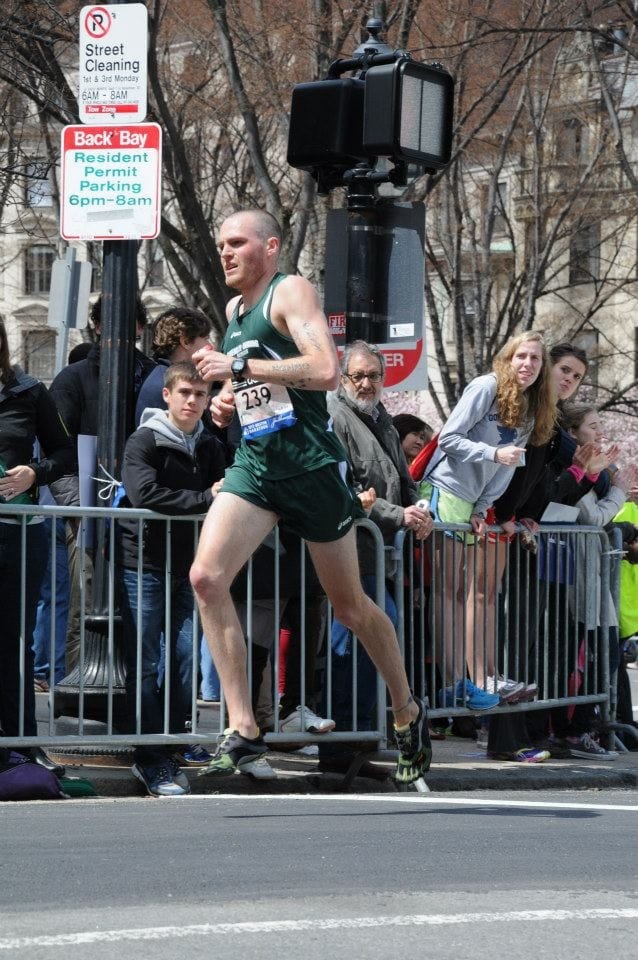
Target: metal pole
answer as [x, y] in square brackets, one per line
[360, 297]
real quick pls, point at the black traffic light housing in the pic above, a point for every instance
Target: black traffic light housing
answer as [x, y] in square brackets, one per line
[408, 113]
[394, 107]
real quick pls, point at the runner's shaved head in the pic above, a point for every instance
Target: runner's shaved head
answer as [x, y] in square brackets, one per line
[264, 223]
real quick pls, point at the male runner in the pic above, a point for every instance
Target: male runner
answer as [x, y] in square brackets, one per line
[277, 361]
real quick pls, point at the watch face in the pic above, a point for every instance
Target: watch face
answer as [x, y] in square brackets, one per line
[237, 366]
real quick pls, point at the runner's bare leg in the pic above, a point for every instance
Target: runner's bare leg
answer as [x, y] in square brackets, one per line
[232, 531]
[337, 567]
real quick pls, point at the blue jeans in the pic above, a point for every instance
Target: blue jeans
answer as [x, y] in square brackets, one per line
[10, 625]
[210, 677]
[152, 632]
[342, 642]
[42, 630]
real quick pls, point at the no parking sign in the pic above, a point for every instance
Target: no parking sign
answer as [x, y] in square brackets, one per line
[113, 73]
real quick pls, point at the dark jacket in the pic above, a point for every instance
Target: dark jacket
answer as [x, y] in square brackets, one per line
[27, 413]
[75, 391]
[544, 478]
[159, 473]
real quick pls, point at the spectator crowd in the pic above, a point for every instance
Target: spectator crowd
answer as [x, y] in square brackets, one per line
[517, 441]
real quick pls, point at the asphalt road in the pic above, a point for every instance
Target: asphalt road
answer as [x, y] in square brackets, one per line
[303, 878]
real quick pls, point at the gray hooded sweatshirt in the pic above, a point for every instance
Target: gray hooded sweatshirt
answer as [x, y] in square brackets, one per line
[464, 463]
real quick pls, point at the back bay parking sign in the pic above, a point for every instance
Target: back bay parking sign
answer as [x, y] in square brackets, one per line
[110, 183]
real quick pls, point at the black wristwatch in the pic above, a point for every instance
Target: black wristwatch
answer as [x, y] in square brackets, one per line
[238, 367]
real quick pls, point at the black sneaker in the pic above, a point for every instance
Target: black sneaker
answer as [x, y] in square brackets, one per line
[415, 748]
[232, 753]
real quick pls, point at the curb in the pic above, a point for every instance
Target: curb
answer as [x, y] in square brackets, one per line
[302, 777]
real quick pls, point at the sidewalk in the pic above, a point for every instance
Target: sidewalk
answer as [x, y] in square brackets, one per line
[457, 765]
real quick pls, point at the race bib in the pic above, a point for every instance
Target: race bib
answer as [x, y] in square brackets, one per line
[263, 408]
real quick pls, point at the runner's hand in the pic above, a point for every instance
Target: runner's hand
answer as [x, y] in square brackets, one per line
[222, 408]
[368, 498]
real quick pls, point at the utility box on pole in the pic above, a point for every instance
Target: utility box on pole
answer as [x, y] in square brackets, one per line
[381, 298]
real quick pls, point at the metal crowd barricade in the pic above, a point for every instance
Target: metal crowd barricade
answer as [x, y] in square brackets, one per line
[526, 632]
[535, 619]
[97, 717]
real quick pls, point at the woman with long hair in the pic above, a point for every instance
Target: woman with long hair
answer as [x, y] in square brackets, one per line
[27, 414]
[479, 447]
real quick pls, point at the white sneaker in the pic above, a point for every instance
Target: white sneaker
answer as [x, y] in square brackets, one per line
[310, 723]
[508, 690]
[258, 769]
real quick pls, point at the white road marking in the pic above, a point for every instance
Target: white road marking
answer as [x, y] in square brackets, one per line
[400, 798]
[295, 926]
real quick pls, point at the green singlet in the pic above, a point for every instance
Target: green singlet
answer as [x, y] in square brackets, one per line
[285, 432]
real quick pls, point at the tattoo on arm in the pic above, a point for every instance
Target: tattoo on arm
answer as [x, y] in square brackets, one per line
[296, 372]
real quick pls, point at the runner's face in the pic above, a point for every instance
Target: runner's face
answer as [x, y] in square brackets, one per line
[186, 403]
[246, 257]
[567, 376]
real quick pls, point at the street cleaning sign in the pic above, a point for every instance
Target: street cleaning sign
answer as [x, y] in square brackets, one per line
[113, 69]
[111, 182]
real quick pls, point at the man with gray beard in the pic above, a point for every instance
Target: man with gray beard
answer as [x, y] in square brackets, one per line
[378, 464]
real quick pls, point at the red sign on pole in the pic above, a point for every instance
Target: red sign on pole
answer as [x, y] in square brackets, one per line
[111, 182]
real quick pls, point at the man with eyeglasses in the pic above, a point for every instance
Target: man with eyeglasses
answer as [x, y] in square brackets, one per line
[277, 360]
[376, 458]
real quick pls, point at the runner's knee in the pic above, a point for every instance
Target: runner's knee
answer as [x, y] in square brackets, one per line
[208, 584]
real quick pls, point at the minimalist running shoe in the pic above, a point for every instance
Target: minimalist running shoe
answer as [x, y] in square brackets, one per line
[258, 769]
[508, 691]
[305, 720]
[587, 748]
[193, 755]
[522, 756]
[465, 693]
[159, 780]
[415, 748]
[232, 753]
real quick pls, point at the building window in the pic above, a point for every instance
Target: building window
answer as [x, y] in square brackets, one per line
[39, 354]
[587, 340]
[38, 184]
[572, 141]
[584, 254]
[38, 262]
[500, 220]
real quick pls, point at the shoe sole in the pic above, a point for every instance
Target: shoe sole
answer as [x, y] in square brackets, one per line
[225, 766]
[257, 771]
[316, 730]
[582, 755]
[480, 709]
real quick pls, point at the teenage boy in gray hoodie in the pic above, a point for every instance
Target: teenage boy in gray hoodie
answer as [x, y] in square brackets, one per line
[171, 465]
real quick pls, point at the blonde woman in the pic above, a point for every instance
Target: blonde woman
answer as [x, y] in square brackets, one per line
[480, 446]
